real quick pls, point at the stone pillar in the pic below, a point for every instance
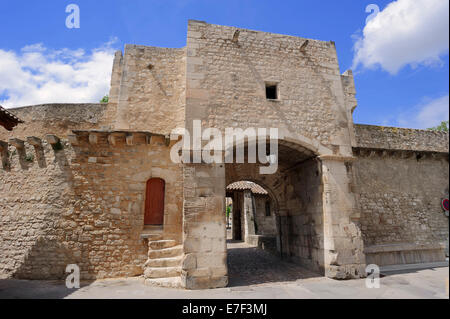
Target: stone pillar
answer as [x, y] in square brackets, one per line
[343, 244]
[204, 227]
[249, 218]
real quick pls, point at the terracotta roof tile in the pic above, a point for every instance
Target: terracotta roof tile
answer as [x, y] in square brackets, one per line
[244, 185]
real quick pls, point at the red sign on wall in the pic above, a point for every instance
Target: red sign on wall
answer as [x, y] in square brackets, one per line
[445, 204]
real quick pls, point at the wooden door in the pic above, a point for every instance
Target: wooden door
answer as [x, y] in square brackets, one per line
[154, 202]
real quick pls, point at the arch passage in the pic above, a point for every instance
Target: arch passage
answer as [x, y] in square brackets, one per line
[154, 202]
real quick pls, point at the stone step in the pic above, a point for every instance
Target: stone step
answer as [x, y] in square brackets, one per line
[152, 236]
[161, 244]
[164, 262]
[162, 272]
[172, 282]
[166, 252]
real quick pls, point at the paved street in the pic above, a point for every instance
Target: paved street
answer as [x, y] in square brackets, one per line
[249, 265]
[253, 274]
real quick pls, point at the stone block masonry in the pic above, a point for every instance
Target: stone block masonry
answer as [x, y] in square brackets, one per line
[401, 177]
[150, 94]
[204, 227]
[84, 206]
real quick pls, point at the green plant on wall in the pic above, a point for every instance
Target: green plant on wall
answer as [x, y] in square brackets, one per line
[443, 127]
[29, 157]
[105, 99]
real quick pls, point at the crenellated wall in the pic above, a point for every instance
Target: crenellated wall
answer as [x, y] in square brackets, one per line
[82, 203]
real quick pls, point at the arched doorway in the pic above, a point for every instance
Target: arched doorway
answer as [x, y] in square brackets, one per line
[314, 208]
[254, 240]
[280, 220]
[252, 211]
[154, 202]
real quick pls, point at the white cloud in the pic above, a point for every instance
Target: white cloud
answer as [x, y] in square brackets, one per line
[38, 75]
[406, 32]
[429, 113]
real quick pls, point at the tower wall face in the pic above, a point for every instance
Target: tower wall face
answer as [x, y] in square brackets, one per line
[150, 94]
[226, 84]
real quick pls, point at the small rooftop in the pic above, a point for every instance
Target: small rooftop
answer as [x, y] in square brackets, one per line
[245, 185]
[8, 120]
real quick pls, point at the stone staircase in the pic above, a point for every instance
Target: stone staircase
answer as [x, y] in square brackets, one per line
[163, 267]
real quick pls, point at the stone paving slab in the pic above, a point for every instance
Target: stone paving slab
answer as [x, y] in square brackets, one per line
[254, 274]
[425, 283]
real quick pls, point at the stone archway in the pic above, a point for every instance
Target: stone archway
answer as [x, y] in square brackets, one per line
[254, 243]
[317, 222]
[297, 190]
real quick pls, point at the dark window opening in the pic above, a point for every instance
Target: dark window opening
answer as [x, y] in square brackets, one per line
[267, 208]
[271, 92]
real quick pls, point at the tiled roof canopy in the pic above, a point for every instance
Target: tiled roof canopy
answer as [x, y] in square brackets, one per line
[8, 120]
[244, 185]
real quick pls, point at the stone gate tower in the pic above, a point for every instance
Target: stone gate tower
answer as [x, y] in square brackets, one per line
[334, 198]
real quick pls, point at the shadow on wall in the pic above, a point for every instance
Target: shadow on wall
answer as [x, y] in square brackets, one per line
[39, 236]
[58, 221]
[45, 249]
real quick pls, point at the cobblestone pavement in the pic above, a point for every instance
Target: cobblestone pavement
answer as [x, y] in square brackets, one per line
[248, 265]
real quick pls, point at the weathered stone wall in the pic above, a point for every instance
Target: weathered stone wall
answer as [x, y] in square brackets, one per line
[33, 203]
[204, 227]
[57, 119]
[83, 205]
[400, 201]
[151, 93]
[303, 225]
[401, 176]
[394, 138]
[265, 225]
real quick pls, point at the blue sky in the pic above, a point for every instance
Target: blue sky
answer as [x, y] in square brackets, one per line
[401, 78]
